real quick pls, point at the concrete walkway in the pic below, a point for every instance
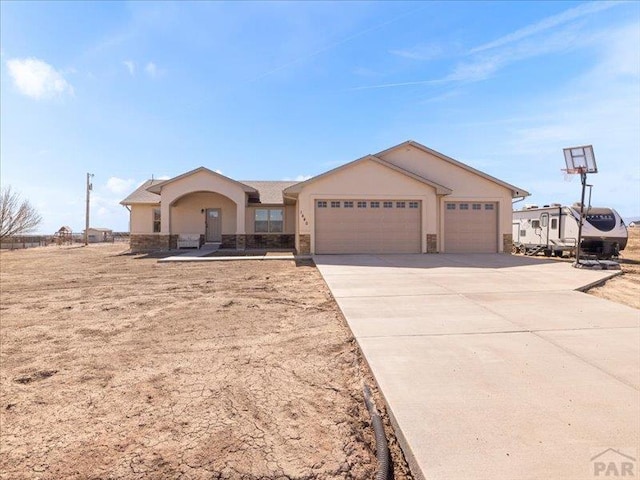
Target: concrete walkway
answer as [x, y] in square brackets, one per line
[493, 366]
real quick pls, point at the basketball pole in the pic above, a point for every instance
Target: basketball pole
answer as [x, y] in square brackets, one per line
[583, 178]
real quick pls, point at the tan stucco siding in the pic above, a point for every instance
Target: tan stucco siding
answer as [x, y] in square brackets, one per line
[141, 219]
[201, 182]
[367, 180]
[187, 215]
[290, 219]
[289, 213]
[465, 185]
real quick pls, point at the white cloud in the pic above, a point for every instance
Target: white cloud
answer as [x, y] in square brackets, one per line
[37, 79]
[547, 23]
[131, 66]
[422, 52]
[531, 41]
[302, 178]
[487, 64]
[152, 70]
[120, 186]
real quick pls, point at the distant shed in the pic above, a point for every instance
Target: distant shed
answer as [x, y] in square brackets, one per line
[98, 235]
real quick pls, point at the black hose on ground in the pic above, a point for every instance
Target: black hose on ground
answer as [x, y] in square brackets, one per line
[382, 448]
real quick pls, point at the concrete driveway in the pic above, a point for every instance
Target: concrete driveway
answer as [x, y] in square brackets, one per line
[493, 366]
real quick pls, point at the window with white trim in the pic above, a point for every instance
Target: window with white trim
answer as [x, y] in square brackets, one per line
[269, 220]
[156, 220]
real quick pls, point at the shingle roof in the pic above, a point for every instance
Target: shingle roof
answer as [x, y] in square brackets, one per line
[142, 195]
[270, 191]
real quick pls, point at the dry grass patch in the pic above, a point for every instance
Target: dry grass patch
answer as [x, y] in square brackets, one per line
[120, 367]
[626, 287]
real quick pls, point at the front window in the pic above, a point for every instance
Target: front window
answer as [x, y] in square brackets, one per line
[269, 220]
[156, 220]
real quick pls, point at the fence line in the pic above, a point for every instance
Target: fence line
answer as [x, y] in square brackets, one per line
[29, 241]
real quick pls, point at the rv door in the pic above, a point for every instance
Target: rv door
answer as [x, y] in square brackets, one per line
[544, 229]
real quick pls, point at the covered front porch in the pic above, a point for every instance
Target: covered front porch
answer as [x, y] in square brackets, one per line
[211, 215]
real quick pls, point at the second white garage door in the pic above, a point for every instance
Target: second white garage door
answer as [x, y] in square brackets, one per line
[367, 226]
[470, 227]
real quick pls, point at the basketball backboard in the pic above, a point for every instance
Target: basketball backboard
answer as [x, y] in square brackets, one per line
[580, 159]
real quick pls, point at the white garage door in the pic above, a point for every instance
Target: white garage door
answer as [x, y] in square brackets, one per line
[471, 227]
[367, 226]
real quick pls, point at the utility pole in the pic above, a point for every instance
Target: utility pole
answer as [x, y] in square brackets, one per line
[86, 229]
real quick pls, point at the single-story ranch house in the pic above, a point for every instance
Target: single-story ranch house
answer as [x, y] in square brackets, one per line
[407, 199]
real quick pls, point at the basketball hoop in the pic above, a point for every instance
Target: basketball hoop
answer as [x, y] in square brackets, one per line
[575, 170]
[579, 160]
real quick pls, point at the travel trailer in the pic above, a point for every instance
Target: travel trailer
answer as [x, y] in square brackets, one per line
[553, 230]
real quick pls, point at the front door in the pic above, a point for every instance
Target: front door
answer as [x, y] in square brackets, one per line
[213, 225]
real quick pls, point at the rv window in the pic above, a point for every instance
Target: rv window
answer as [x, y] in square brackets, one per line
[535, 223]
[523, 233]
[554, 223]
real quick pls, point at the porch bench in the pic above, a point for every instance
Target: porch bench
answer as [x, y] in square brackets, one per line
[189, 240]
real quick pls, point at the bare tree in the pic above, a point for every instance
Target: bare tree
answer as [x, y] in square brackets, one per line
[16, 215]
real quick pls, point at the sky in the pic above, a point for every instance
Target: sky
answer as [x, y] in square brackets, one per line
[288, 90]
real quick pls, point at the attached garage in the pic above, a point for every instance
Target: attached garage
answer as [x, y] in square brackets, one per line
[364, 206]
[367, 226]
[471, 227]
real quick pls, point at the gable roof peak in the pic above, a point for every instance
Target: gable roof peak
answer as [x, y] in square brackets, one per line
[156, 188]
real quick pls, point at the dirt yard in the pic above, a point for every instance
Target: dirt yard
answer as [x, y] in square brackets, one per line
[118, 367]
[625, 288]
